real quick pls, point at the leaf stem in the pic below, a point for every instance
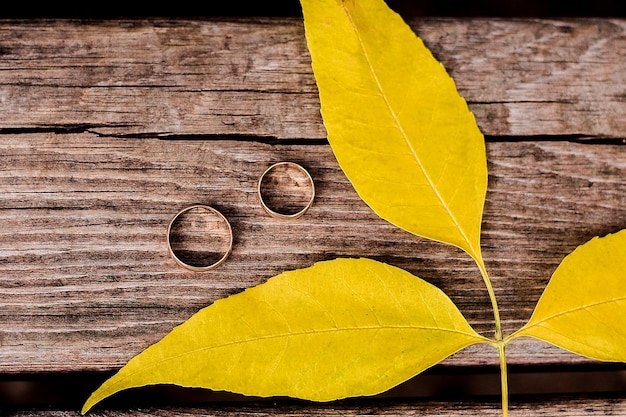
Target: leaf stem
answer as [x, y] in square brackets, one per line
[492, 296]
[503, 378]
[500, 343]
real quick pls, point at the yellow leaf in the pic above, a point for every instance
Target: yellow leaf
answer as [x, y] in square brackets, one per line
[398, 127]
[340, 328]
[583, 308]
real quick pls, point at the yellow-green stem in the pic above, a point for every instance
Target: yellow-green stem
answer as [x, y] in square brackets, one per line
[500, 343]
[492, 297]
[503, 378]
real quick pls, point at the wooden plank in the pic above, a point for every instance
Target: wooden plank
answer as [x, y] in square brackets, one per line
[253, 76]
[562, 406]
[87, 183]
[86, 281]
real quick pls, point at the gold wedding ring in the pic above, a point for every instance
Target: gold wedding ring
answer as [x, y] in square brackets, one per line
[285, 186]
[213, 221]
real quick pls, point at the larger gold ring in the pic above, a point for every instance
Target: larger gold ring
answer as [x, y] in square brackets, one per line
[291, 215]
[199, 268]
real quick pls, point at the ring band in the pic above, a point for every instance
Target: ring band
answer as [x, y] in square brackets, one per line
[276, 214]
[199, 268]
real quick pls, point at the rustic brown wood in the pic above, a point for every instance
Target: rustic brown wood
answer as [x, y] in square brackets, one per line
[95, 136]
[253, 77]
[86, 280]
[561, 406]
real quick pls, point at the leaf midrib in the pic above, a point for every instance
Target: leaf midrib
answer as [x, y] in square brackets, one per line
[404, 135]
[475, 336]
[563, 313]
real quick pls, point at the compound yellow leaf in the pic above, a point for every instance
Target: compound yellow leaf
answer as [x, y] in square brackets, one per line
[340, 328]
[583, 308]
[400, 131]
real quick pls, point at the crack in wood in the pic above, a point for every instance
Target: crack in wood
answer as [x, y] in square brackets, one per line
[574, 138]
[273, 140]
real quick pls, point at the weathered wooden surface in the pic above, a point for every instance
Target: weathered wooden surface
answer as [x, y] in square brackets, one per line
[87, 281]
[253, 77]
[561, 406]
[96, 128]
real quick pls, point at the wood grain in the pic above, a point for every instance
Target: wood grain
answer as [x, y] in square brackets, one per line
[562, 406]
[253, 77]
[86, 281]
[108, 128]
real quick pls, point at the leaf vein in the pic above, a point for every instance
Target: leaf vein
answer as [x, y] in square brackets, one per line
[405, 137]
[573, 310]
[292, 334]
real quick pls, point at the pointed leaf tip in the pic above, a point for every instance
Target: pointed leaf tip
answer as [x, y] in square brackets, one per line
[341, 328]
[583, 308]
[400, 131]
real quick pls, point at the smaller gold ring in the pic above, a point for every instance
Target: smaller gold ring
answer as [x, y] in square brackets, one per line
[276, 214]
[197, 268]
